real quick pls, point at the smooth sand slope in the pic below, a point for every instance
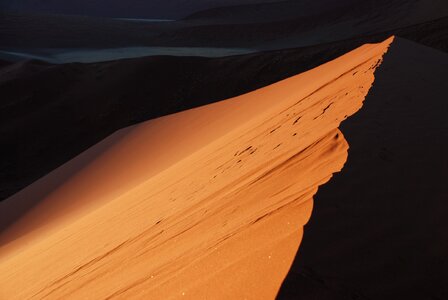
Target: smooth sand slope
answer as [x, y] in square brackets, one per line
[379, 228]
[204, 204]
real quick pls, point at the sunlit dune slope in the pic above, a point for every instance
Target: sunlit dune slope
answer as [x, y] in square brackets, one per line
[204, 204]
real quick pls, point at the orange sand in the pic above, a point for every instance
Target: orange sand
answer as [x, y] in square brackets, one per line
[204, 204]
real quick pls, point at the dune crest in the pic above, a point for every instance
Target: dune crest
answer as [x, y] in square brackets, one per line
[196, 205]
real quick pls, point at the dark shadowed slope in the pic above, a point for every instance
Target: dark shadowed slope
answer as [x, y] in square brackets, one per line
[287, 24]
[291, 24]
[315, 12]
[277, 11]
[379, 229]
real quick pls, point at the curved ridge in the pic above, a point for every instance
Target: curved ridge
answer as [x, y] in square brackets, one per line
[221, 210]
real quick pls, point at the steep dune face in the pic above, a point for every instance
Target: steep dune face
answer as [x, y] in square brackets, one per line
[207, 203]
[379, 228]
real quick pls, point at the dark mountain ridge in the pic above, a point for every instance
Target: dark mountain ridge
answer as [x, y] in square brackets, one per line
[158, 9]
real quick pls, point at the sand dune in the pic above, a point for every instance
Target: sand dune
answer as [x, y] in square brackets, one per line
[132, 8]
[245, 27]
[130, 91]
[200, 204]
[379, 228]
[293, 24]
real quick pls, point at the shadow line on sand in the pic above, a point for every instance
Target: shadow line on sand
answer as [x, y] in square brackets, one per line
[378, 229]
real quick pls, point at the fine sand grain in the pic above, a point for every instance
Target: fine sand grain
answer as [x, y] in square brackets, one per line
[208, 203]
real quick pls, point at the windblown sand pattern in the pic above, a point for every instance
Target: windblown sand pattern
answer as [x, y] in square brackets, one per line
[208, 203]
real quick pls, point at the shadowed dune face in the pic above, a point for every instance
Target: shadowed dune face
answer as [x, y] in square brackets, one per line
[383, 219]
[198, 204]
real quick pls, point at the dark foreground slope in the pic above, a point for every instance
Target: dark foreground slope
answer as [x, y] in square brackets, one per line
[378, 229]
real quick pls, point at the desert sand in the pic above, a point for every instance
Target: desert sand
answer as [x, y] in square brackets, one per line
[127, 92]
[379, 227]
[208, 203]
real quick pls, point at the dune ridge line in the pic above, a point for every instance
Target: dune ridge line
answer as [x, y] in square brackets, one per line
[200, 204]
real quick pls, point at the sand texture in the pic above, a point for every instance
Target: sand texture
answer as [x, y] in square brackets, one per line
[208, 203]
[379, 228]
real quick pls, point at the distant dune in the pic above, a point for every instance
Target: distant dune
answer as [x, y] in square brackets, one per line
[206, 203]
[256, 27]
[112, 8]
[318, 14]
